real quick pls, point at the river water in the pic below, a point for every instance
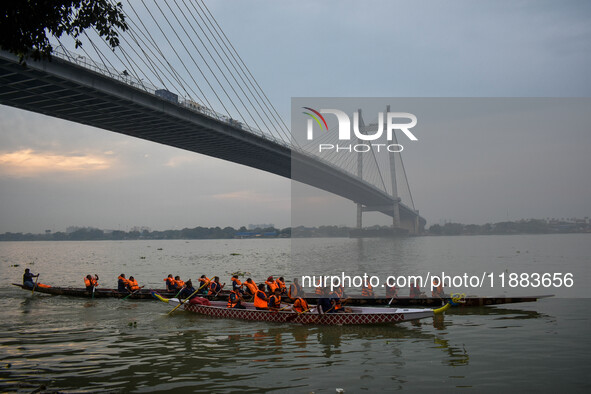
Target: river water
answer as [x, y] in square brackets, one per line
[109, 345]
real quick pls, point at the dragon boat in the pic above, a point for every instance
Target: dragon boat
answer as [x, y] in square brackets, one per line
[353, 316]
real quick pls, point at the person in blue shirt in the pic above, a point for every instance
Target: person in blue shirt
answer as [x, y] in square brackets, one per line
[188, 290]
[28, 278]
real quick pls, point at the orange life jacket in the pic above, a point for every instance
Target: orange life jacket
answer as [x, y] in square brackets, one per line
[295, 291]
[337, 299]
[90, 282]
[237, 282]
[133, 285]
[179, 283]
[252, 287]
[367, 291]
[340, 291]
[300, 305]
[233, 298]
[125, 281]
[281, 285]
[169, 282]
[319, 290]
[260, 300]
[203, 282]
[271, 286]
[274, 302]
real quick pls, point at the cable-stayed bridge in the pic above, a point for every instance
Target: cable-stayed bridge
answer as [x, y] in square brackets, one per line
[143, 92]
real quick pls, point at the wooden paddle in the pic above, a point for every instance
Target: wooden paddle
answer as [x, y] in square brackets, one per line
[216, 294]
[130, 294]
[35, 285]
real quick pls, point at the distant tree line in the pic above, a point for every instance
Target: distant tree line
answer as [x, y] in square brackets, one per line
[530, 226]
[93, 234]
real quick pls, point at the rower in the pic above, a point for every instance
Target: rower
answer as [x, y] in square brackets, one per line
[251, 287]
[132, 284]
[236, 284]
[28, 279]
[91, 282]
[319, 291]
[415, 291]
[187, 290]
[295, 289]
[391, 291]
[122, 284]
[215, 286]
[324, 304]
[437, 291]
[335, 300]
[204, 284]
[340, 290]
[169, 283]
[260, 298]
[271, 285]
[367, 291]
[178, 283]
[280, 282]
[235, 300]
[274, 302]
[300, 305]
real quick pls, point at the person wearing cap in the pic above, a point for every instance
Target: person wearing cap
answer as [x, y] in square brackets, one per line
[28, 278]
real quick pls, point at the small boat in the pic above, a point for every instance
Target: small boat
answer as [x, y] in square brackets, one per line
[99, 292]
[354, 315]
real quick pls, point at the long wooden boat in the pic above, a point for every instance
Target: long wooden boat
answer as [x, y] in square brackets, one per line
[142, 294]
[354, 300]
[356, 315]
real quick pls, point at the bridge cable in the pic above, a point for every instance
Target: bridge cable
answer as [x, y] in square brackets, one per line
[242, 62]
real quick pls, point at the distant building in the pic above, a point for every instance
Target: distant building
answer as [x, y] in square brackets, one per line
[255, 226]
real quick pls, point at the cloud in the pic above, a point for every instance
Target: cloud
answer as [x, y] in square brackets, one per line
[31, 163]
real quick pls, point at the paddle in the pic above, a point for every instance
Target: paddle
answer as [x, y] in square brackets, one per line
[182, 302]
[130, 294]
[216, 294]
[35, 285]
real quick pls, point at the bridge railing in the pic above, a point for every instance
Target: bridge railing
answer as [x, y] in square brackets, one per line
[128, 79]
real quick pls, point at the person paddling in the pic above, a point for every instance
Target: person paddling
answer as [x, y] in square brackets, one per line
[300, 305]
[295, 289]
[188, 290]
[260, 298]
[132, 284]
[122, 284]
[28, 279]
[215, 287]
[274, 303]
[235, 300]
[170, 283]
[91, 282]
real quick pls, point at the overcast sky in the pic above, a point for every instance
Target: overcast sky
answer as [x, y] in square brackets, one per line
[55, 174]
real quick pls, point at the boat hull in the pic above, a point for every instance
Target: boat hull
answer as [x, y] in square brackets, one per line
[359, 316]
[143, 294]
